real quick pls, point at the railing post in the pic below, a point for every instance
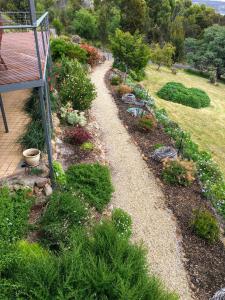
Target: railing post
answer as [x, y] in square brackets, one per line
[33, 12]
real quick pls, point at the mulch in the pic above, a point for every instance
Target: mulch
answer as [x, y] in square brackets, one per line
[204, 262]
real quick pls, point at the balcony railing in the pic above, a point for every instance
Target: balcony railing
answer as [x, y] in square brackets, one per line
[24, 48]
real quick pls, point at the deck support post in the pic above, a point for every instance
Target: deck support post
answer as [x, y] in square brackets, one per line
[45, 122]
[3, 115]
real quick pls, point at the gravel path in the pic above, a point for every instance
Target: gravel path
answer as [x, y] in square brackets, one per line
[138, 193]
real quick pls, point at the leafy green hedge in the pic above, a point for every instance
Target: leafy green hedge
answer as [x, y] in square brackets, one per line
[177, 92]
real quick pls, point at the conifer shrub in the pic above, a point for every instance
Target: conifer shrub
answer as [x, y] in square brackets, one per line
[65, 212]
[93, 181]
[205, 226]
[179, 172]
[177, 92]
[124, 89]
[147, 122]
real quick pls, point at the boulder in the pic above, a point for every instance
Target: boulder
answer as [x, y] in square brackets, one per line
[163, 153]
[41, 182]
[48, 190]
[76, 39]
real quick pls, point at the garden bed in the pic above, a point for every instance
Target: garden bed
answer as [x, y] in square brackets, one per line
[203, 261]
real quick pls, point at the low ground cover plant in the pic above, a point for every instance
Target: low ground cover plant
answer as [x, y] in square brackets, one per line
[93, 181]
[14, 214]
[87, 146]
[78, 135]
[61, 47]
[59, 174]
[71, 116]
[65, 212]
[178, 171]
[205, 226]
[177, 92]
[122, 222]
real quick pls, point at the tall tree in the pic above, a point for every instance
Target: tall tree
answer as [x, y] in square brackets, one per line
[134, 15]
[209, 52]
[177, 37]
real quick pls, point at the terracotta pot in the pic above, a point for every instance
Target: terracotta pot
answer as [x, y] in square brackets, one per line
[32, 157]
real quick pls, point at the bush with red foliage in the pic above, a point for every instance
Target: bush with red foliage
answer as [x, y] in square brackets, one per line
[93, 55]
[78, 135]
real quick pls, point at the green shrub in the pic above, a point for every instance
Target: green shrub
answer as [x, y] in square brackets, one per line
[177, 92]
[115, 80]
[14, 213]
[158, 145]
[89, 269]
[206, 226]
[122, 222]
[60, 47]
[32, 106]
[130, 50]
[65, 212]
[87, 146]
[147, 122]
[93, 182]
[58, 26]
[77, 87]
[33, 136]
[178, 172]
[85, 24]
[59, 174]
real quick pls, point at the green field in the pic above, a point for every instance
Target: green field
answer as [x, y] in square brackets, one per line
[207, 125]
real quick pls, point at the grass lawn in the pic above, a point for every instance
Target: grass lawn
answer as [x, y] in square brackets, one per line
[207, 125]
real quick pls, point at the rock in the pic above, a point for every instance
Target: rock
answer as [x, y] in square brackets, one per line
[48, 190]
[45, 171]
[41, 182]
[164, 152]
[58, 141]
[58, 131]
[76, 39]
[37, 191]
[220, 295]
[136, 111]
[55, 120]
[129, 98]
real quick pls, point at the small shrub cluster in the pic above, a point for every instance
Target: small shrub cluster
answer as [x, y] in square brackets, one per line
[93, 55]
[122, 222]
[77, 135]
[61, 47]
[177, 92]
[124, 89]
[76, 87]
[147, 122]
[206, 226]
[180, 172]
[14, 214]
[93, 182]
[71, 116]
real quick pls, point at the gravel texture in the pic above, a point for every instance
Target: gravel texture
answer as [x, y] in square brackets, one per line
[138, 192]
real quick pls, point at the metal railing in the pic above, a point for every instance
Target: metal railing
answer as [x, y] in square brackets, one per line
[38, 42]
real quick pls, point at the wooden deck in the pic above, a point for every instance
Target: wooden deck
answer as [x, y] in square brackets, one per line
[19, 54]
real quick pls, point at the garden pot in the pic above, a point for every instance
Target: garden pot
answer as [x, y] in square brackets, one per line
[32, 157]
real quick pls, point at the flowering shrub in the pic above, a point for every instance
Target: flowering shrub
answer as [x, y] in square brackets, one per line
[78, 135]
[93, 55]
[71, 116]
[178, 172]
[76, 86]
